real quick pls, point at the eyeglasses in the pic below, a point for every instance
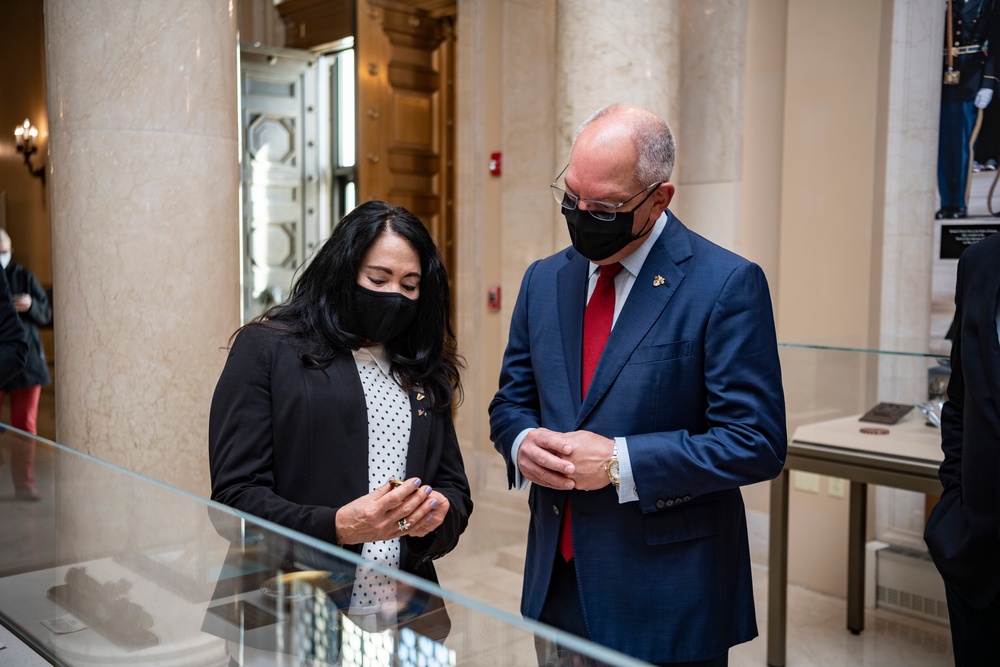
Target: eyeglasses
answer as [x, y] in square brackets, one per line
[598, 209]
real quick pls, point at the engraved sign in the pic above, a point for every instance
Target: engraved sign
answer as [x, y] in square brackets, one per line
[956, 238]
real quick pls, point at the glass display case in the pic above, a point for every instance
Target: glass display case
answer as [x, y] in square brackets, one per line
[110, 567]
[841, 377]
[831, 384]
[859, 416]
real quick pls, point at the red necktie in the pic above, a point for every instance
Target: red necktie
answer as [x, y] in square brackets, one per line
[596, 330]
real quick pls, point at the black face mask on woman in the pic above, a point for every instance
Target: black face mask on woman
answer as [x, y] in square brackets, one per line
[599, 239]
[382, 316]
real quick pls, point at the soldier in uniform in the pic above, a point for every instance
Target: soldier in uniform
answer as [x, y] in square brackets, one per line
[968, 84]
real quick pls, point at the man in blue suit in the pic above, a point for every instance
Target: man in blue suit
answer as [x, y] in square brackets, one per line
[636, 453]
[963, 532]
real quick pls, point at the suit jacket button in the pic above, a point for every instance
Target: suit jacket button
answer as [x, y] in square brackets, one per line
[660, 504]
[555, 510]
[687, 498]
[670, 503]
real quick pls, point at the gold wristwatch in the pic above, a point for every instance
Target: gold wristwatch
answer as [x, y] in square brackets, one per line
[611, 467]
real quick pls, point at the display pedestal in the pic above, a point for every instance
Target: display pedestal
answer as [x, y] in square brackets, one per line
[907, 457]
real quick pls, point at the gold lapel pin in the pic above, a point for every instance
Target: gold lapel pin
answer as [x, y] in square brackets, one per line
[658, 280]
[420, 396]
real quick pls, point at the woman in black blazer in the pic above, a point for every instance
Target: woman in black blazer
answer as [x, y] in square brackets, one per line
[329, 399]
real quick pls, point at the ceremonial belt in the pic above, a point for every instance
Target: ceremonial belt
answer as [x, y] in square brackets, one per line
[963, 50]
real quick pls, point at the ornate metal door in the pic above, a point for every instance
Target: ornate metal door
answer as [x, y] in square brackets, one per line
[282, 221]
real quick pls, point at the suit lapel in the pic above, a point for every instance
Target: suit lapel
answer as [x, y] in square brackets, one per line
[346, 389]
[420, 424]
[571, 288]
[341, 387]
[655, 285]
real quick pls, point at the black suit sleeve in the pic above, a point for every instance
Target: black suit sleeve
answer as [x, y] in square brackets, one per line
[952, 414]
[13, 346]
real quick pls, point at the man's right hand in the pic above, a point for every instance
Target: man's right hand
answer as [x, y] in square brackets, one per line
[540, 459]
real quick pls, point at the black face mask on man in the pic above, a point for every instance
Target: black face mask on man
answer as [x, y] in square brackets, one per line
[382, 316]
[599, 239]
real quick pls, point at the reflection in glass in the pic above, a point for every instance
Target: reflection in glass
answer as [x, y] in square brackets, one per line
[110, 567]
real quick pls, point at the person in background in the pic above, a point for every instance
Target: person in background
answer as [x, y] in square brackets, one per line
[640, 389]
[972, 34]
[963, 530]
[331, 399]
[33, 309]
[13, 348]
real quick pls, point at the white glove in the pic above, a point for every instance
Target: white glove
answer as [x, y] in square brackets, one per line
[983, 98]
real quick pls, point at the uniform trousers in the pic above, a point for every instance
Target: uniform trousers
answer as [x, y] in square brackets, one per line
[954, 152]
[23, 416]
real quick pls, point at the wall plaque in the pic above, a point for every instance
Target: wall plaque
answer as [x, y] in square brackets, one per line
[956, 238]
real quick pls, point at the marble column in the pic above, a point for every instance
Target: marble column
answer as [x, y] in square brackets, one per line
[612, 51]
[909, 109]
[710, 143]
[911, 81]
[143, 125]
[682, 59]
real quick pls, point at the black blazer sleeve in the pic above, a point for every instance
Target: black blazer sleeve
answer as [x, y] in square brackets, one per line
[13, 346]
[241, 440]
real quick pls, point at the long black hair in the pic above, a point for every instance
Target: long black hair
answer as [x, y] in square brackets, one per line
[320, 307]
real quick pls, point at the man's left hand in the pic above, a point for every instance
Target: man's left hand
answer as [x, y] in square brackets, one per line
[589, 453]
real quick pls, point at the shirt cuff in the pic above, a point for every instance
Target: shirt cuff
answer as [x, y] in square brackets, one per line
[626, 482]
[519, 481]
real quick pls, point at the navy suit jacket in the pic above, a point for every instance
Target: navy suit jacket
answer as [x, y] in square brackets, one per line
[690, 376]
[963, 532]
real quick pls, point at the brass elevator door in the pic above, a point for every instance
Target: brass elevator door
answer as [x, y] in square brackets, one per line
[405, 111]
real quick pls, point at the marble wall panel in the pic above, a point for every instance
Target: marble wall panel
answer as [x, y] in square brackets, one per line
[145, 206]
[611, 51]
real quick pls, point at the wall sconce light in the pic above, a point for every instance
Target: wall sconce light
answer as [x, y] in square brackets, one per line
[26, 136]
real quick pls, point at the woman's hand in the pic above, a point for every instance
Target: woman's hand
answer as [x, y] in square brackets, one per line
[429, 515]
[378, 515]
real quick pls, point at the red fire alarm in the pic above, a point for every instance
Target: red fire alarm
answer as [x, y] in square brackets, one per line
[496, 164]
[493, 297]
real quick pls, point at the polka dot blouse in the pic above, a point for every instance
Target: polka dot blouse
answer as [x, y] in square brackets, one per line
[388, 441]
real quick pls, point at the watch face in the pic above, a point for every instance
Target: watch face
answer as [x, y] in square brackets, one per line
[613, 471]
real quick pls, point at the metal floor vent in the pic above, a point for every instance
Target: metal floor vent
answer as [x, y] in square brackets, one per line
[906, 581]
